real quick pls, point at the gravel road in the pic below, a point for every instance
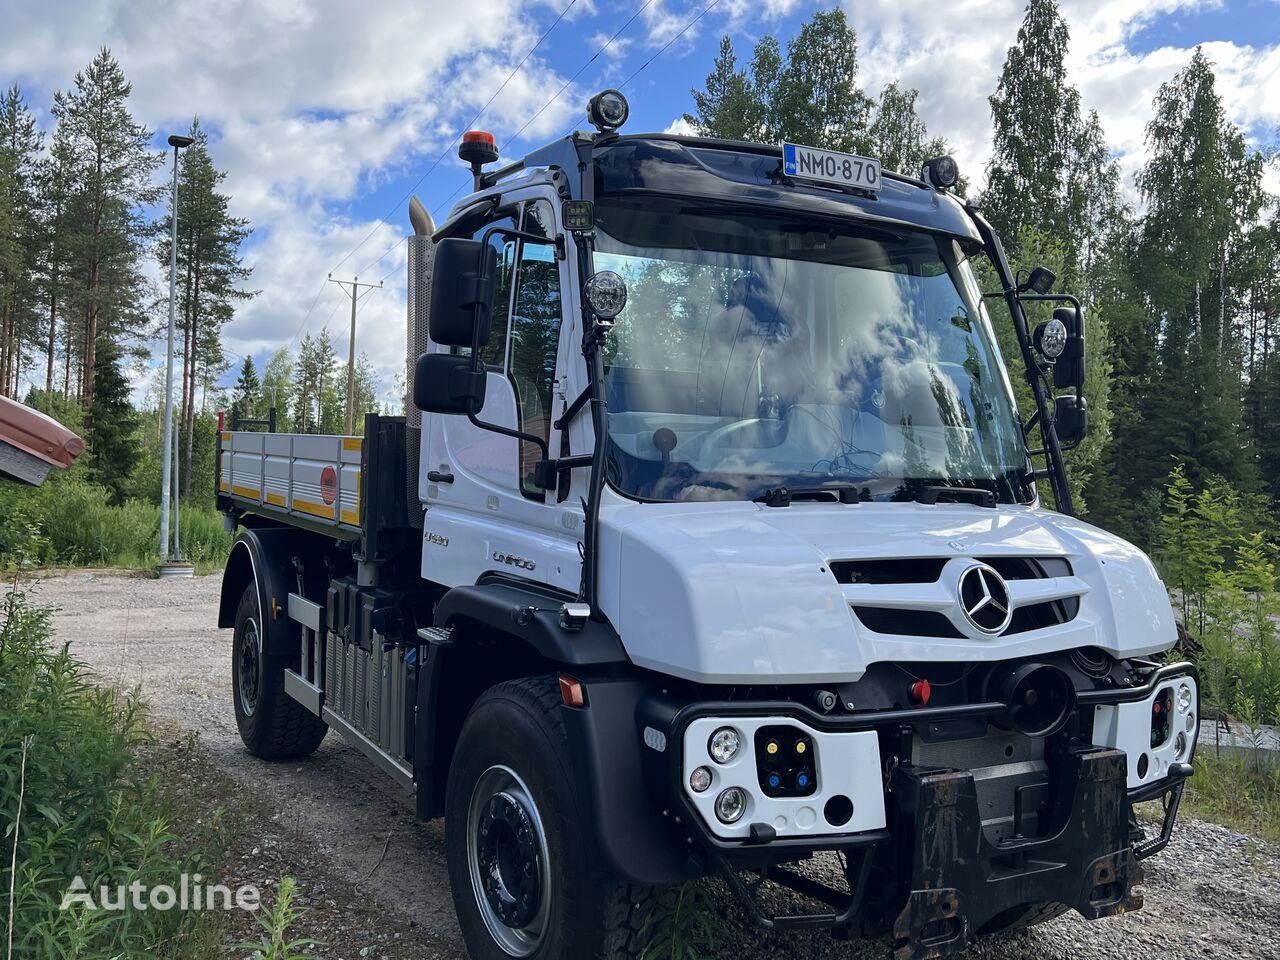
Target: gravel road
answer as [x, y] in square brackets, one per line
[1212, 893]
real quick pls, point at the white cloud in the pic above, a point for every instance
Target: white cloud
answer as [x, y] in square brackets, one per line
[310, 104]
[682, 127]
[954, 61]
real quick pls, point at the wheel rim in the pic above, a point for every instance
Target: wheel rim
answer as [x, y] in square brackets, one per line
[248, 673]
[508, 861]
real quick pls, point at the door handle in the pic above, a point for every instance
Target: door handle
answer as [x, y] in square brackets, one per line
[436, 476]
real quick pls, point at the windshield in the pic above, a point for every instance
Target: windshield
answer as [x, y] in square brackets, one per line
[758, 350]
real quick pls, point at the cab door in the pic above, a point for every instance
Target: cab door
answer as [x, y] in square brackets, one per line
[484, 512]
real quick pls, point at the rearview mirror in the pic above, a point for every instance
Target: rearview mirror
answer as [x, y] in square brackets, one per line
[1071, 418]
[1068, 371]
[446, 383]
[462, 292]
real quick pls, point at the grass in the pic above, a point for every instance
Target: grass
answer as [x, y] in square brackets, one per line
[1230, 791]
[69, 522]
[78, 800]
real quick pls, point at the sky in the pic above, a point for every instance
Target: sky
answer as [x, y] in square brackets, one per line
[328, 114]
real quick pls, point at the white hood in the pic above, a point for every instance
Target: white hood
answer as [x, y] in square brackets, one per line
[737, 592]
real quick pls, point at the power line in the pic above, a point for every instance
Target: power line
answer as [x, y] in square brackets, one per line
[595, 56]
[458, 135]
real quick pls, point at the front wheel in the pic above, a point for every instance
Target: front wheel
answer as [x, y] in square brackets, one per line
[525, 883]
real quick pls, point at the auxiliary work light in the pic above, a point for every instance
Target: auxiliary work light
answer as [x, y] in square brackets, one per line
[942, 173]
[608, 110]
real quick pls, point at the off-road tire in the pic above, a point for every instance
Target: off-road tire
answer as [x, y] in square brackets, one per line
[1028, 915]
[278, 727]
[593, 915]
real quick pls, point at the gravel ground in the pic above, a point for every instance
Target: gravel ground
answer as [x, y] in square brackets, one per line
[375, 879]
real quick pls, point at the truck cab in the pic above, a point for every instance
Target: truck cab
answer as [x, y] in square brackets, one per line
[714, 545]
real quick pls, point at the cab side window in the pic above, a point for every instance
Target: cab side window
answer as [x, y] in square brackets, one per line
[535, 336]
[494, 352]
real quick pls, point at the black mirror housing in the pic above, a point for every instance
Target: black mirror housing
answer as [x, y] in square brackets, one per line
[1070, 418]
[447, 383]
[464, 275]
[1068, 371]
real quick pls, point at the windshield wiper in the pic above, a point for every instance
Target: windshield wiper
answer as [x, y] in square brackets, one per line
[782, 496]
[974, 495]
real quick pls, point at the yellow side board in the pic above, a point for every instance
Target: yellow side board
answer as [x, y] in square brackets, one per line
[249, 492]
[275, 499]
[315, 509]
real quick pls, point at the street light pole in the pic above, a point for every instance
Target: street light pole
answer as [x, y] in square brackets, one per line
[170, 447]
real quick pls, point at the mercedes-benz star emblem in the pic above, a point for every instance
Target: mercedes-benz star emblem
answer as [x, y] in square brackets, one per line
[984, 598]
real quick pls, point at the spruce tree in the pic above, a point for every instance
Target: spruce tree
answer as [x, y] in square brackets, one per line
[725, 108]
[111, 426]
[898, 137]
[810, 96]
[246, 393]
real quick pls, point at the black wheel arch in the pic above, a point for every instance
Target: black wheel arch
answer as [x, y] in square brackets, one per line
[503, 630]
[264, 556]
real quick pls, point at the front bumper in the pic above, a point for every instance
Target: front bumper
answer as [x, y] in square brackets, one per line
[937, 876]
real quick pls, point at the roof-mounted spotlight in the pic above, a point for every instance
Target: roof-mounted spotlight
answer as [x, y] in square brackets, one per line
[478, 148]
[608, 110]
[941, 173]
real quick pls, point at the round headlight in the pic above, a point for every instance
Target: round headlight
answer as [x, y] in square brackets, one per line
[1051, 338]
[731, 805]
[699, 780]
[608, 110]
[607, 294]
[1180, 747]
[723, 745]
[1184, 698]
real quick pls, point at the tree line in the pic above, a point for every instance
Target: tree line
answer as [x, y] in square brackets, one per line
[1181, 290]
[83, 207]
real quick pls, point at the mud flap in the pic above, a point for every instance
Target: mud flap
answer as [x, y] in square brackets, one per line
[960, 880]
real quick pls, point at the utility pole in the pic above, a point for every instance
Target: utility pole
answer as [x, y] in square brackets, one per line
[355, 284]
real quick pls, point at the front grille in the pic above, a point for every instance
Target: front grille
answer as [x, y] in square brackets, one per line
[907, 623]
[924, 570]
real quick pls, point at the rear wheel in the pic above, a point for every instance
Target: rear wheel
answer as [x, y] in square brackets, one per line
[525, 883]
[272, 724]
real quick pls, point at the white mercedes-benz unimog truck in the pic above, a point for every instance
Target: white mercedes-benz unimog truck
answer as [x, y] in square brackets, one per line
[712, 545]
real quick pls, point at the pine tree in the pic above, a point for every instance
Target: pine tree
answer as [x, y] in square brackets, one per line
[20, 146]
[247, 392]
[111, 425]
[210, 275]
[113, 167]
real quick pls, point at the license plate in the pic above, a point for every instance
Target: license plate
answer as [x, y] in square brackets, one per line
[827, 166]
